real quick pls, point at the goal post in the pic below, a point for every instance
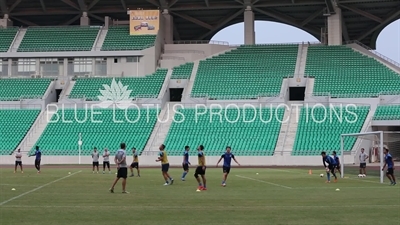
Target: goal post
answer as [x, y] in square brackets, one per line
[376, 139]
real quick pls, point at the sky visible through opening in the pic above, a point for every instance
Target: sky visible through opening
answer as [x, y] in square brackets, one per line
[388, 43]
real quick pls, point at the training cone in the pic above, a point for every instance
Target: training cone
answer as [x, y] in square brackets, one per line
[310, 172]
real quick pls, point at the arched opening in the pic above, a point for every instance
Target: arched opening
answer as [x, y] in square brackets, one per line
[388, 42]
[266, 33]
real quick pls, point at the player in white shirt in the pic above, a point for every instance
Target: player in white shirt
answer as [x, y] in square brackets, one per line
[95, 157]
[18, 161]
[106, 160]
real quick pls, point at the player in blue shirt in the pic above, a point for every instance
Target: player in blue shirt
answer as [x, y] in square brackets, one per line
[185, 162]
[330, 168]
[38, 157]
[390, 170]
[226, 168]
[338, 168]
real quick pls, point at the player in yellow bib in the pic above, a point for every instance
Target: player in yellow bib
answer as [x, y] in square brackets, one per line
[135, 163]
[201, 168]
[163, 158]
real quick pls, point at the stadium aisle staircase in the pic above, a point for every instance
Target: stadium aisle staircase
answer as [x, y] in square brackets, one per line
[13, 89]
[320, 130]
[14, 125]
[58, 39]
[118, 38]
[245, 72]
[7, 36]
[387, 112]
[254, 138]
[183, 71]
[343, 72]
[149, 85]
[61, 138]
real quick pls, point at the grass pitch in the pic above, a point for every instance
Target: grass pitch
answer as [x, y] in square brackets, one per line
[273, 196]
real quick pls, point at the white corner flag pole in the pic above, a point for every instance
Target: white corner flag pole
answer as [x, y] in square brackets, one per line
[80, 146]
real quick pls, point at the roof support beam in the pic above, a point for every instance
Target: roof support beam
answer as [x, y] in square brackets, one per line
[39, 12]
[363, 13]
[124, 5]
[73, 5]
[92, 4]
[43, 5]
[345, 32]
[393, 15]
[68, 22]
[96, 17]
[177, 36]
[26, 22]
[164, 4]
[173, 2]
[287, 20]
[154, 2]
[82, 6]
[312, 16]
[239, 1]
[221, 23]
[3, 6]
[16, 3]
[207, 3]
[329, 7]
[193, 20]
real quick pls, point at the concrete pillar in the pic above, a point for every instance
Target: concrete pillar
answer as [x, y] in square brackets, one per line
[85, 20]
[168, 27]
[6, 22]
[249, 33]
[335, 28]
[107, 22]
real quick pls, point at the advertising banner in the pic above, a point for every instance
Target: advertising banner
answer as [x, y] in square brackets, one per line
[144, 22]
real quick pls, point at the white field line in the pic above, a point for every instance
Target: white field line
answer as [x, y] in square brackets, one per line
[18, 185]
[38, 188]
[156, 207]
[266, 182]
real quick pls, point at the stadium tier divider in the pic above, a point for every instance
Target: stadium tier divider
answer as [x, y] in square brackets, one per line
[61, 138]
[256, 138]
[341, 71]
[14, 125]
[246, 71]
[319, 129]
[149, 85]
[58, 39]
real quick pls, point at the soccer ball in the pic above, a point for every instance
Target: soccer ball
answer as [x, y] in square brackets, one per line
[321, 175]
[360, 175]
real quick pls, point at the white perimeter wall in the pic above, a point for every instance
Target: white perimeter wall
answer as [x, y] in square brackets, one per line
[177, 160]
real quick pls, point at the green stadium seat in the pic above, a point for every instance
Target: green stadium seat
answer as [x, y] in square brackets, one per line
[15, 88]
[58, 39]
[7, 36]
[319, 131]
[343, 72]
[118, 39]
[245, 72]
[255, 138]
[183, 71]
[148, 86]
[387, 112]
[61, 138]
[14, 125]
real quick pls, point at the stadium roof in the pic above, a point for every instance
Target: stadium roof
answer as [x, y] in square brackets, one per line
[363, 20]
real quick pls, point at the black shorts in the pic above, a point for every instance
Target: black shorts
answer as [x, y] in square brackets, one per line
[135, 165]
[106, 163]
[185, 166]
[96, 164]
[122, 172]
[165, 167]
[390, 171]
[338, 167]
[363, 165]
[200, 171]
[226, 169]
[18, 163]
[332, 168]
